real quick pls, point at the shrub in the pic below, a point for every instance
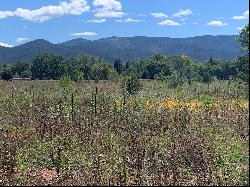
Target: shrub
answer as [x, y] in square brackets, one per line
[66, 83]
[6, 75]
[132, 84]
[207, 100]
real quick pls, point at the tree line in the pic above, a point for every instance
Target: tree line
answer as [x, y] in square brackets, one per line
[53, 67]
[175, 69]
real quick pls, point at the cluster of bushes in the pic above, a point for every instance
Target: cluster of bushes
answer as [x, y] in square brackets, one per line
[81, 67]
[52, 66]
[20, 69]
[175, 70]
[182, 69]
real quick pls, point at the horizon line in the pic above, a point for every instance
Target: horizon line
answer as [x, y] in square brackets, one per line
[119, 37]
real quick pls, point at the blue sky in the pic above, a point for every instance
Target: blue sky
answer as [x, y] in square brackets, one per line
[61, 20]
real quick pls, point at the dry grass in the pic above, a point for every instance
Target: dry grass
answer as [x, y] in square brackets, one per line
[184, 136]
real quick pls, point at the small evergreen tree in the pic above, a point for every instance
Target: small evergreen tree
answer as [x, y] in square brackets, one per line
[119, 67]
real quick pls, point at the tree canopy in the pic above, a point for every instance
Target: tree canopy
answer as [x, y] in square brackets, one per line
[243, 38]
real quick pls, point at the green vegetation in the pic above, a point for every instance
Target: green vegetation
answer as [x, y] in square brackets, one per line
[132, 84]
[63, 133]
[86, 122]
[119, 66]
[177, 70]
[6, 75]
[243, 38]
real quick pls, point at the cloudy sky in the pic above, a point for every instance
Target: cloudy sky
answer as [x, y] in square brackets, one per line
[61, 20]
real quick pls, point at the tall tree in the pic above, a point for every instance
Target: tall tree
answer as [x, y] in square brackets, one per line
[48, 66]
[243, 38]
[21, 69]
[6, 75]
[119, 67]
[243, 61]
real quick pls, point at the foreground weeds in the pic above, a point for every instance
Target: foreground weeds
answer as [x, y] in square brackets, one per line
[93, 134]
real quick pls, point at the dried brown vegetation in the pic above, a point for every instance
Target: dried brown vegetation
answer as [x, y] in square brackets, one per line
[80, 135]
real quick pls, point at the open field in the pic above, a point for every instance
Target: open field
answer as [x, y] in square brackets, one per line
[90, 133]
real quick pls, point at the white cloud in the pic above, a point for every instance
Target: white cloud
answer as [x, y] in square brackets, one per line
[216, 23]
[74, 7]
[130, 20]
[109, 9]
[4, 14]
[239, 28]
[169, 23]
[181, 13]
[195, 23]
[245, 15]
[108, 4]
[220, 17]
[109, 14]
[238, 17]
[20, 40]
[159, 15]
[97, 21]
[84, 34]
[5, 45]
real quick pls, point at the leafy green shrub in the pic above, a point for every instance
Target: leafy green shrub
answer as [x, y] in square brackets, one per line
[207, 100]
[132, 84]
[175, 80]
[66, 83]
[26, 74]
[77, 75]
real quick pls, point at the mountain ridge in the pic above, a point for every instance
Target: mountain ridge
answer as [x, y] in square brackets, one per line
[199, 48]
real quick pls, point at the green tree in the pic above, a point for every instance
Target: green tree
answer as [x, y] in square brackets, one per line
[40, 67]
[48, 66]
[242, 68]
[205, 73]
[243, 61]
[102, 71]
[132, 84]
[20, 67]
[128, 65]
[154, 69]
[77, 75]
[26, 74]
[175, 80]
[6, 75]
[243, 38]
[119, 66]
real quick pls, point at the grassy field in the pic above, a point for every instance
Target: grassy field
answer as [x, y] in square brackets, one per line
[91, 133]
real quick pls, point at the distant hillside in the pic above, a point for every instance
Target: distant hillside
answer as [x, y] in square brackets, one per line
[128, 48]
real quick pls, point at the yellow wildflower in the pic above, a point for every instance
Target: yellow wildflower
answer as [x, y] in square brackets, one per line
[169, 103]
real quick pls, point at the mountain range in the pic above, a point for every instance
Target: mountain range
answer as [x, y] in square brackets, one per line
[199, 48]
